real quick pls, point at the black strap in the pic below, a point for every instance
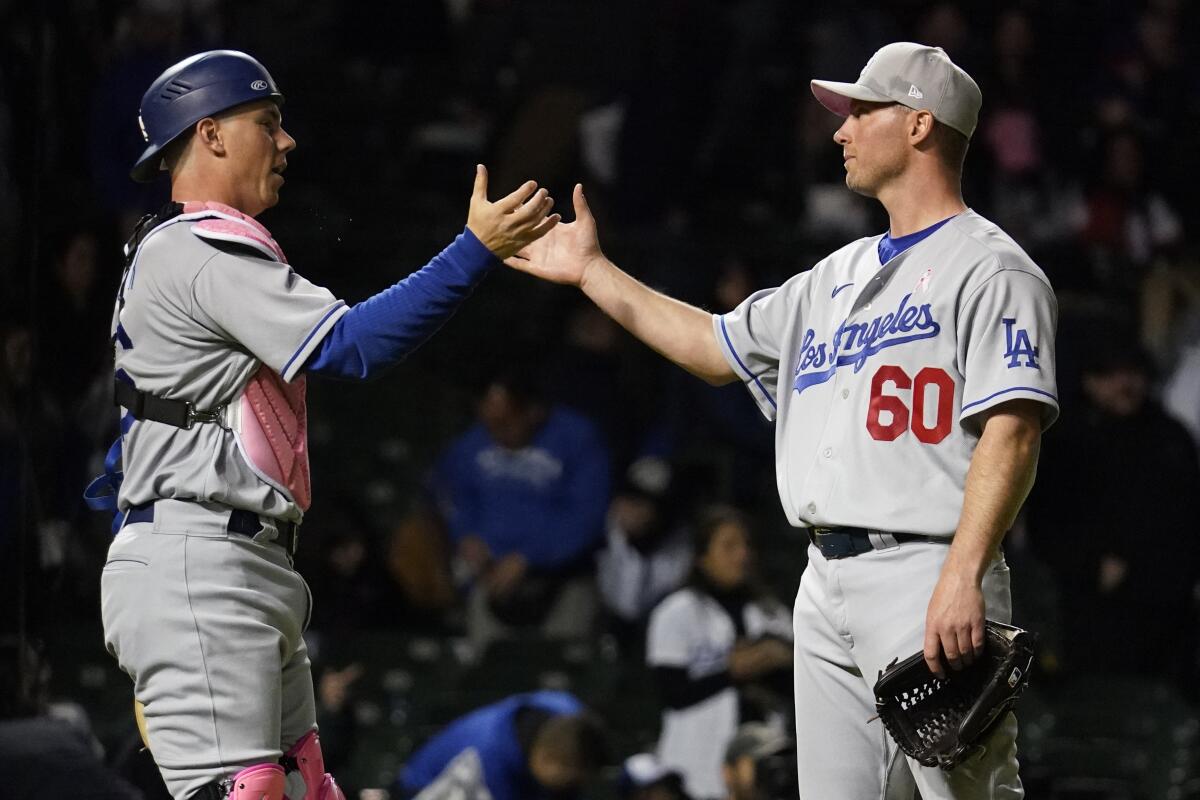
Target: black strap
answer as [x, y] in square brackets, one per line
[143, 405]
[213, 791]
[177, 413]
[147, 406]
[148, 223]
[143, 227]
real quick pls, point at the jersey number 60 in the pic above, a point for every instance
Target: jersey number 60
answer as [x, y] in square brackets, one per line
[897, 412]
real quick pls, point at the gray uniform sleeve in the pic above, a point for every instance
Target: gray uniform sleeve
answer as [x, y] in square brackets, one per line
[751, 339]
[265, 307]
[1006, 343]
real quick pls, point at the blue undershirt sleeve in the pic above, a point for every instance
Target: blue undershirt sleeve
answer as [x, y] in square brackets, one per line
[382, 330]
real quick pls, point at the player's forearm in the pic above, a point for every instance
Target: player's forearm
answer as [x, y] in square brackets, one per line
[676, 330]
[998, 480]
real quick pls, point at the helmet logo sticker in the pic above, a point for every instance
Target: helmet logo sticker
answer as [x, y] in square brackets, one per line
[258, 85]
[142, 125]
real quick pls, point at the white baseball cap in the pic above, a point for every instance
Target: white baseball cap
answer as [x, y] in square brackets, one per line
[915, 75]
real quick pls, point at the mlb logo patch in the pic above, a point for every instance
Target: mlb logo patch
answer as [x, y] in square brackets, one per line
[923, 283]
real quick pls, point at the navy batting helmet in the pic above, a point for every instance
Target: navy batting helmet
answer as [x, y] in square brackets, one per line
[195, 88]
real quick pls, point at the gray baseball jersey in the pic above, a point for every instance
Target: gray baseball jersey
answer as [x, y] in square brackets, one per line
[197, 321]
[875, 375]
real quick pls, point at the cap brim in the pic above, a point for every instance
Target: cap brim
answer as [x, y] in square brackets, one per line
[837, 96]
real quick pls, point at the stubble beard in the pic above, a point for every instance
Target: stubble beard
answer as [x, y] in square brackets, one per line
[869, 183]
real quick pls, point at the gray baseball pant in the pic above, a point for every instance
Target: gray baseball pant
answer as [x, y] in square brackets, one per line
[852, 617]
[209, 625]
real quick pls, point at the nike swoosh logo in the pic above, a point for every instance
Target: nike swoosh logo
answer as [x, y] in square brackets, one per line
[839, 288]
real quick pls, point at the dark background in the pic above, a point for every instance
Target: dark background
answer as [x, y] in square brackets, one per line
[712, 172]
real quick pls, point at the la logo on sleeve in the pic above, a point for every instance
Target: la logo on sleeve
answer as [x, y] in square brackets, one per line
[1018, 345]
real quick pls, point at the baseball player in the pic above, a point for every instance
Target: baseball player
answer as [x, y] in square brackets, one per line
[910, 376]
[214, 335]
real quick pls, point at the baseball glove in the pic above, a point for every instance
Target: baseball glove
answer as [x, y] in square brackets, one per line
[942, 721]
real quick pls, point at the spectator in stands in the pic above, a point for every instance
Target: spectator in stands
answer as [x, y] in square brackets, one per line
[76, 311]
[593, 371]
[348, 583]
[644, 777]
[39, 487]
[41, 753]
[418, 567]
[335, 714]
[719, 425]
[760, 764]
[1114, 514]
[147, 38]
[523, 494]
[526, 747]
[721, 653]
[647, 556]
[1124, 220]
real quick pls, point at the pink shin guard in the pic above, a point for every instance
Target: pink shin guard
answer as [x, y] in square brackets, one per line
[319, 784]
[259, 782]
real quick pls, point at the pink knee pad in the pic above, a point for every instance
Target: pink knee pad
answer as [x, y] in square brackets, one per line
[319, 784]
[259, 782]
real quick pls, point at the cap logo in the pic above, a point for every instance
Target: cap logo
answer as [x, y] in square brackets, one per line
[142, 126]
[258, 85]
[913, 91]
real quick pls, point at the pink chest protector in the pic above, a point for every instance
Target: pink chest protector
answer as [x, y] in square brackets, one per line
[270, 423]
[227, 224]
[268, 417]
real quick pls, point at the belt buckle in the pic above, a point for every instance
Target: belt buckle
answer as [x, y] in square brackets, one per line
[820, 537]
[194, 415]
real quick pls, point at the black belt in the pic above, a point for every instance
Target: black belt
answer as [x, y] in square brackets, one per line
[241, 521]
[837, 543]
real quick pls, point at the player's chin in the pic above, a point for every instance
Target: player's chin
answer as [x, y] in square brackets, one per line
[858, 186]
[270, 193]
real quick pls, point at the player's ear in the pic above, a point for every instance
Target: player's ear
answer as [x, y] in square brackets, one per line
[920, 127]
[208, 136]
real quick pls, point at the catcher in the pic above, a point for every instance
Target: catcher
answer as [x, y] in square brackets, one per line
[214, 335]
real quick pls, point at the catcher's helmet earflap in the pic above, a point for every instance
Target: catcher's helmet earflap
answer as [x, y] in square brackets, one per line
[197, 87]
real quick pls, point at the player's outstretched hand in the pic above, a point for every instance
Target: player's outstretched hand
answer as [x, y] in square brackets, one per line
[511, 223]
[567, 252]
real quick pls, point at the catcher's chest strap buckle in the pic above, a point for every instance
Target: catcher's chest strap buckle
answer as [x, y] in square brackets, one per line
[177, 413]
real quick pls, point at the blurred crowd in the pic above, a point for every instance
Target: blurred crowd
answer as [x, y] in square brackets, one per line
[534, 474]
